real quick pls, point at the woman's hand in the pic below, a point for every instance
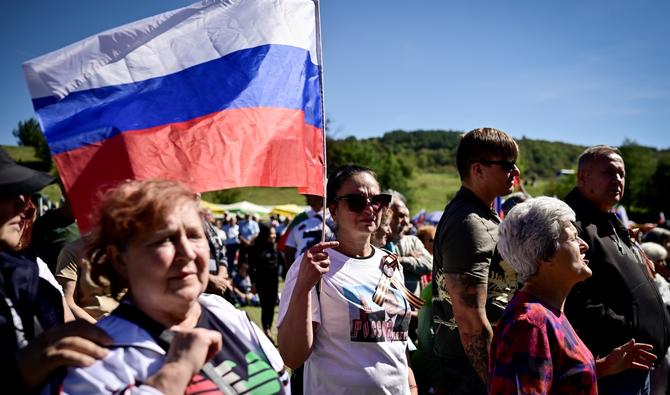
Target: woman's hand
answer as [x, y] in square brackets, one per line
[631, 355]
[314, 264]
[76, 343]
[296, 332]
[189, 350]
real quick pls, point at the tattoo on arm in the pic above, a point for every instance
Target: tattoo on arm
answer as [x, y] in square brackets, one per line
[468, 296]
[477, 349]
[466, 291]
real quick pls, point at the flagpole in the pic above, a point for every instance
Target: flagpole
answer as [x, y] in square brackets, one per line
[319, 57]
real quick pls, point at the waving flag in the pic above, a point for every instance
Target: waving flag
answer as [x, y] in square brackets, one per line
[219, 94]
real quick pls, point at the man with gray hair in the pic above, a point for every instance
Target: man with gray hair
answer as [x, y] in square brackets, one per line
[620, 300]
[412, 255]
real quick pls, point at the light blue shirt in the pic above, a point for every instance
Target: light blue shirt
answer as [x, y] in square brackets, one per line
[249, 229]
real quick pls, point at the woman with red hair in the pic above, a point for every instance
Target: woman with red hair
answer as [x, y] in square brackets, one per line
[167, 335]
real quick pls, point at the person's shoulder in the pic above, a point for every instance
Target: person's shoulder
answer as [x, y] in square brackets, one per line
[524, 318]
[467, 228]
[411, 242]
[457, 208]
[75, 246]
[70, 255]
[583, 208]
[54, 215]
[312, 222]
[125, 333]
[461, 213]
[527, 308]
[219, 305]
[309, 221]
[377, 255]
[298, 219]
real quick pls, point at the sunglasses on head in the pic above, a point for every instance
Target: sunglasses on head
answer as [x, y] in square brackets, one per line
[357, 203]
[506, 165]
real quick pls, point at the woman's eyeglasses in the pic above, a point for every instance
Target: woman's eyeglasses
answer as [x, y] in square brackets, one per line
[506, 165]
[357, 203]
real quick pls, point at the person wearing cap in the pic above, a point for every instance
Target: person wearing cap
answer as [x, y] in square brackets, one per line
[34, 341]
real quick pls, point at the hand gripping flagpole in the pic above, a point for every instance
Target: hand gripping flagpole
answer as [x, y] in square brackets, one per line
[319, 57]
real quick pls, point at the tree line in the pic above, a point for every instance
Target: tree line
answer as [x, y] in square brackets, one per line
[398, 155]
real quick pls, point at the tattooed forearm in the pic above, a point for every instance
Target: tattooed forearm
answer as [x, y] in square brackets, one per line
[477, 349]
[468, 302]
[467, 290]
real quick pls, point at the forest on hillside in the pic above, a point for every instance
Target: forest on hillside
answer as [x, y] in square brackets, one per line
[397, 155]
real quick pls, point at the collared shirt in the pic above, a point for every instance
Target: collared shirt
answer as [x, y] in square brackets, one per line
[232, 234]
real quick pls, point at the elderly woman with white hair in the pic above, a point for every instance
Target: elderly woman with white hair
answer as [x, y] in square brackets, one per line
[535, 349]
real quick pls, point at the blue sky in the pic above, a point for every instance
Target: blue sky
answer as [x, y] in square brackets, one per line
[583, 72]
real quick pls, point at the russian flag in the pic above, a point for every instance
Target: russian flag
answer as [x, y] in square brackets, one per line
[219, 94]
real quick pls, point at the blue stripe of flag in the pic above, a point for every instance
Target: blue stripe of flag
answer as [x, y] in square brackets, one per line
[277, 76]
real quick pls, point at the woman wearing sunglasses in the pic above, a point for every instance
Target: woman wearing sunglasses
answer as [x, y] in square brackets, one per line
[344, 312]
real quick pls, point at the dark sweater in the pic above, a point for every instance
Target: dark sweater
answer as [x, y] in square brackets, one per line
[37, 305]
[620, 300]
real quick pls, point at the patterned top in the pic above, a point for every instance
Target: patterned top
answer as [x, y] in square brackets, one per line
[536, 351]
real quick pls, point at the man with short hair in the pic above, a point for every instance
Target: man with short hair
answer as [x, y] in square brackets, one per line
[248, 230]
[463, 251]
[620, 300]
[412, 255]
[306, 230]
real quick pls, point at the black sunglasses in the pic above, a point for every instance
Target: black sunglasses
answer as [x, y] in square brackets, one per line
[357, 203]
[504, 164]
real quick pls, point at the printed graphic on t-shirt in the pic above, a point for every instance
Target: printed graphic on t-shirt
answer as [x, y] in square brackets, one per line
[501, 287]
[237, 364]
[310, 238]
[370, 322]
[258, 377]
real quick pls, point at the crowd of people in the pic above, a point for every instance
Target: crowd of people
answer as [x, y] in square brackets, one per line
[551, 296]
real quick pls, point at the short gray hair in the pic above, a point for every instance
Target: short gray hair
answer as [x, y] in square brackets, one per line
[396, 197]
[532, 231]
[597, 151]
[658, 236]
[654, 251]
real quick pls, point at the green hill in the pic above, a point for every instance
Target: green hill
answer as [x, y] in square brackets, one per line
[421, 165]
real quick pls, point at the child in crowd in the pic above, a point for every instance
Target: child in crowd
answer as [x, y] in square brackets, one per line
[244, 292]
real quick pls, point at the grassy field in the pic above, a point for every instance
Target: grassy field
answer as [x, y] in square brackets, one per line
[431, 190]
[21, 154]
[255, 313]
[271, 196]
[27, 154]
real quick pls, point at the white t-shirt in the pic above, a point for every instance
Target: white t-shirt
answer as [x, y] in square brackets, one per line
[308, 232]
[359, 346]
